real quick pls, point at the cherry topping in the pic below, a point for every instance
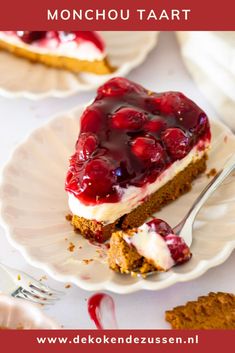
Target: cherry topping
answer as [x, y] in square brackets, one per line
[99, 178]
[118, 86]
[155, 125]
[86, 145]
[160, 227]
[91, 120]
[171, 103]
[31, 36]
[132, 137]
[176, 142]
[97, 169]
[202, 126]
[180, 252]
[129, 119]
[61, 36]
[147, 148]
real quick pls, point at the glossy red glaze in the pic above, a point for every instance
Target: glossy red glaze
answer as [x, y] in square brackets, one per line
[133, 135]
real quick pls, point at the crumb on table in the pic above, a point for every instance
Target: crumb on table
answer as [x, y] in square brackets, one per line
[69, 217]
[212, 172]
[87, 261]
[71, 247]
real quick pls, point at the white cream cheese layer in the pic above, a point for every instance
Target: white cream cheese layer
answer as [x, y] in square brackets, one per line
[133, 196]
[82, 50]
[152, 246]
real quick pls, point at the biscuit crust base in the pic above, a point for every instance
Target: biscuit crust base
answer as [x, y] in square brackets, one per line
[179, 185]
[99, 67]
[214, 311]
[124, 258]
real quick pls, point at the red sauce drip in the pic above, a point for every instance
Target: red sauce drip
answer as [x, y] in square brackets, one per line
[129, 136]
[100, 305]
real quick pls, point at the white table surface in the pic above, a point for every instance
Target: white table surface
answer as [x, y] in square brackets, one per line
[163, 70]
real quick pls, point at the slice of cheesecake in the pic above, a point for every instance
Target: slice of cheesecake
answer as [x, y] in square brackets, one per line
[136, 151]
[76, 51]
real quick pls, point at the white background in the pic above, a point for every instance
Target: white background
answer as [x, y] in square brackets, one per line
[163, 70]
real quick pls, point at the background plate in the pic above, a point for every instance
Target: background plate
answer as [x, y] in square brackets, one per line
[34, 206]
[210, 59]
[21, 78]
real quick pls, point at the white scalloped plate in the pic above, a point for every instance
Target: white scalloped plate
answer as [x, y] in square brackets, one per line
[19, 313]
[21, 78]
[34, 206]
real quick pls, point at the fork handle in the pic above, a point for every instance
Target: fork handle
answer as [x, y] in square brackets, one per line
[206, 193]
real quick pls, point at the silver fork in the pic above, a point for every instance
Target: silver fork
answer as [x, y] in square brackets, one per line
[185, 227]
[26, 287]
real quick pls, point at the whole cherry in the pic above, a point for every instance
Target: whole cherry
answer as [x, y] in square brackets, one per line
[98, 178]
[176, 142]
[86, 145]
[128, 119]
[172, 103]
[147, 149]
[31, 36]
[91, 120]
[118, 86]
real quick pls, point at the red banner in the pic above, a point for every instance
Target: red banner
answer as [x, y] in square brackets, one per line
[88, 341]
[117, 15]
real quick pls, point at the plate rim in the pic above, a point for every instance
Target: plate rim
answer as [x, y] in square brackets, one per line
[143, 284]
[55, 93]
